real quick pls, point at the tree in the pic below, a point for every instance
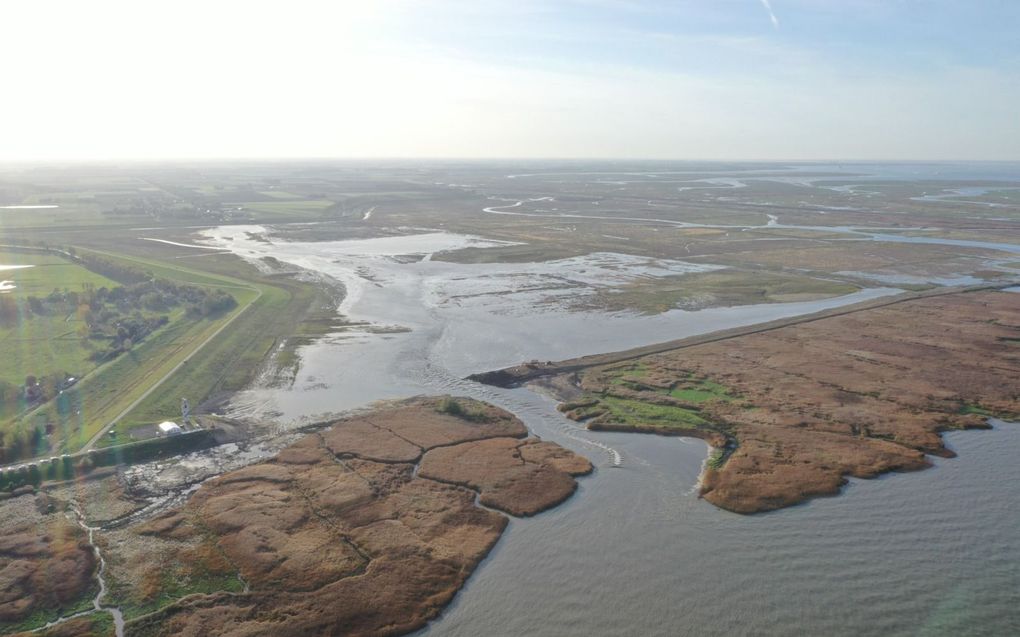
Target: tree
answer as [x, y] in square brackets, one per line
[153, 301]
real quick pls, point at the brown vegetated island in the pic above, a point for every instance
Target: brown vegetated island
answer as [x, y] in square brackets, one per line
[368, 527]
[795, 407]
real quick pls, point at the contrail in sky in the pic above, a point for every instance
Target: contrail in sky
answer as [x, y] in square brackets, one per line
[772, 15]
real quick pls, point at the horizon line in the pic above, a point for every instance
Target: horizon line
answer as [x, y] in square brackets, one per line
[427, 158]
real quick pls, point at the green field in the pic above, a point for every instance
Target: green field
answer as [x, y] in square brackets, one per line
[691, 389]
[42, 346]
[49, 272]
[701, 391]
[45, 344]
[279, 194]
[619, 404]
[188, 357]
[636, 412]
[268, 210]
[70, 213]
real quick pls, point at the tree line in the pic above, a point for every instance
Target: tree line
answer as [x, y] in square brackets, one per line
[112, 320]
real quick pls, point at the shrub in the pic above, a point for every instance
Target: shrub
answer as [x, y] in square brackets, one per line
[453, 407]
[450, 406]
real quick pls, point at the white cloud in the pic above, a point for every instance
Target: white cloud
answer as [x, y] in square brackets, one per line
[772, 14]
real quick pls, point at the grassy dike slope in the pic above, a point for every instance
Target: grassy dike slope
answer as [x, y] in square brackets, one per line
[187, 358]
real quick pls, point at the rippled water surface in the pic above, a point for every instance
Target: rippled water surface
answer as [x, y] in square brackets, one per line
[461, 319]
[635, 552]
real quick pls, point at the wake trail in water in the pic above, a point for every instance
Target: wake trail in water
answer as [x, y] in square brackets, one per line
[437, 376]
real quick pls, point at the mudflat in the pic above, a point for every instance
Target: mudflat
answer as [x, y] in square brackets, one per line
[794, 411]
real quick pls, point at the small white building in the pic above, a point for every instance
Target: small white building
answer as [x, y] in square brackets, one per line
[170, 428]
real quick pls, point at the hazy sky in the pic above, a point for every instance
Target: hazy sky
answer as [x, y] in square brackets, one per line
[699, 79]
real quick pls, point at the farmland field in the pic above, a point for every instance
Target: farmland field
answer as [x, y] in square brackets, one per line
[190, 356]
[48, 343]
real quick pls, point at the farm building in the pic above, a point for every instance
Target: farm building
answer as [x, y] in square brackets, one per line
[170, 428]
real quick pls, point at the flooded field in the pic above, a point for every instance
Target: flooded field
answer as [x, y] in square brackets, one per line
[9, 285]
[863, 560]
[452, 269]
[444, 321]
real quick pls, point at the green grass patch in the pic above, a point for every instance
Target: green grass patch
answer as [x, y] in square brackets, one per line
[701, 391]
[175, 272]
[690, 389]
[49, 272]
[200, 570]
[86, 212]
[968, 408]
[42, 346]
[465, 409]
[636, 412]
[619, 375]
[176, 583]
[717, 459]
